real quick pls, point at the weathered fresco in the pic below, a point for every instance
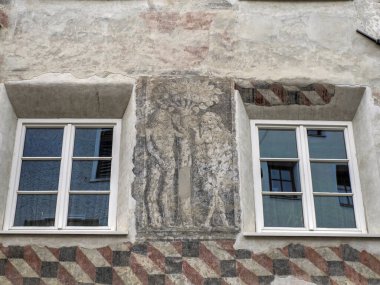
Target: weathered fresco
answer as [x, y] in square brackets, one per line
[185, 165]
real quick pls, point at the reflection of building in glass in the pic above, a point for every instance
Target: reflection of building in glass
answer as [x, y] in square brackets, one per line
[344, 185]
[101, 169]
[281, 178]
[316, 133]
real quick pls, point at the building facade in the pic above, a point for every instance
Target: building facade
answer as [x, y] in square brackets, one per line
[189, 142]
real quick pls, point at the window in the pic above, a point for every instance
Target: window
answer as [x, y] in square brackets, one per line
[306, 177]
[64, 175]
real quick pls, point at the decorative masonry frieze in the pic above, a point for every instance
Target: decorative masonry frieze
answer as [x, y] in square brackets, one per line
[265, 93]
[185, 262]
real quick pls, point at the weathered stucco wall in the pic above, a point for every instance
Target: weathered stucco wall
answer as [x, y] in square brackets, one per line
[294, 42]
[249, 39]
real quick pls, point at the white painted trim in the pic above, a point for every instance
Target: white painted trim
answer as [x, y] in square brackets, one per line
[310, 228]
[63, 192]
[49, 231]
[259, 214]
[310, 234]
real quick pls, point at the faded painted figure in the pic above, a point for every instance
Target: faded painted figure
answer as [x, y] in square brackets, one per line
[161, 137]
[214, 164]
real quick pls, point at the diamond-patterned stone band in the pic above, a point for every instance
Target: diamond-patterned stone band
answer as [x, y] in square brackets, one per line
[185, 262]
[272, 94]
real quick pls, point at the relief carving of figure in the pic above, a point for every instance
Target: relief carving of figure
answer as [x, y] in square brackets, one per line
[161, 136]
[214, 157]
[189, 157]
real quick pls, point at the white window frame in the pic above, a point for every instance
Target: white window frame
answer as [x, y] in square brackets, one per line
[69, 126]
[305, 176]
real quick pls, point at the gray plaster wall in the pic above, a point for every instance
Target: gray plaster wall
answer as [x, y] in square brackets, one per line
[8, 122]
[366, 130]
[244, 148]
[126, 204]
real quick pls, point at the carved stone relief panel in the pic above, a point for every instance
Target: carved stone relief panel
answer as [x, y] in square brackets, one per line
[185, 159]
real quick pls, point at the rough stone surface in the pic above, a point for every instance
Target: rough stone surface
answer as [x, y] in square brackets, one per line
[185, 165]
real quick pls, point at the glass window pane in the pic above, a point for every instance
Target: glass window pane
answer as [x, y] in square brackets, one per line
[39, 175]
[282, 211]
[284, 172]
[93, 142]
[278, 143]
[326, 144]
[91, 175]
[35, 210]
[275, 173]
[334, 212]
[88, 210]
[331, 177]
[43, 142]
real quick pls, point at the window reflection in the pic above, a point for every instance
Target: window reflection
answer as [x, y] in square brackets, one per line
[93, 142]
[326, 144]
[344, 185]
[281, 178]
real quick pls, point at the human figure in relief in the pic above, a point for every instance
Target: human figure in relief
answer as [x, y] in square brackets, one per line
[214, 156]
[161, 136]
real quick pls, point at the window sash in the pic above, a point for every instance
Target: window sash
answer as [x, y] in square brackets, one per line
[62, 204]
[304, 160]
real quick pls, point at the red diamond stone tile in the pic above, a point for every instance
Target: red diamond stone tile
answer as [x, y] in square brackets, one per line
[156, 256]
[211, 260]
[106, 252]
[370, 261]
[264, 260]
[13, 275]
[32, 259]
[86, 264]
[316, 259]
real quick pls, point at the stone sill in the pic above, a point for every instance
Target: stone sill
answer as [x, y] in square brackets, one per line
[310, 234]
[63, 232]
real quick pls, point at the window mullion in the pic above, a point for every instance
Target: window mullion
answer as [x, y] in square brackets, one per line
[308, 189]
[64, 178]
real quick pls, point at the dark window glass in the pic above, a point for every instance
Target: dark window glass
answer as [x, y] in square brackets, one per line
[88, 210]
[330, 213]
[283, 211]
[93, 142]
[91, 175]
[280, 176]
[326, 144]
[39, 175]
[278, 143]
[330, 177]
[43, 142]
[35, 210]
